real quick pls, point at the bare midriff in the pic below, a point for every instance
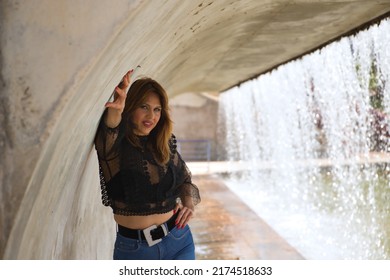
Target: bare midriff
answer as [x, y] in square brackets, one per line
[142, 222]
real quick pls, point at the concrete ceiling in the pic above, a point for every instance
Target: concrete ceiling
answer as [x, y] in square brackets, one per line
[221, 43]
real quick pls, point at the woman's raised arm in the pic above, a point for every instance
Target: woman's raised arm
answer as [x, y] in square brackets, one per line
[115, 108]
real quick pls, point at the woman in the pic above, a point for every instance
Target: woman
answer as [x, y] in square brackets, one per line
[143, 178]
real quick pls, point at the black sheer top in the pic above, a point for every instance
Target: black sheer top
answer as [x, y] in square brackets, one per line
[133, 182]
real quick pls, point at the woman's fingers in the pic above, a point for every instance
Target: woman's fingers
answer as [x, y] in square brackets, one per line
[127, 76]
[113, 105]
[184, 217]
[119, 99]
[120, 93]
[125, 80]
[177, 208]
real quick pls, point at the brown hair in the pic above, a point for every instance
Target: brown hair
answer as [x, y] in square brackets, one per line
[160, 135]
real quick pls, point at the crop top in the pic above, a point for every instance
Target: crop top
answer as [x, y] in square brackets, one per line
[132, 182]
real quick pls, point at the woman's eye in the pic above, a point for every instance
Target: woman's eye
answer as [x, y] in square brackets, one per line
[144, 107]
[157, 110]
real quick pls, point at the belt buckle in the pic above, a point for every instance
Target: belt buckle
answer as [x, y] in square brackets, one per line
[149, 237]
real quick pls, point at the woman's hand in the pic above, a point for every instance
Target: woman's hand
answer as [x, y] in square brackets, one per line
[184, 216]
[120, 93]
[116, 107]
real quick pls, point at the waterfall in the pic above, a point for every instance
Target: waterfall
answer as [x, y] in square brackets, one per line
[314, 135]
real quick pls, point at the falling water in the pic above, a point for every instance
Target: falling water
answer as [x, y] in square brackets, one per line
[314, 137]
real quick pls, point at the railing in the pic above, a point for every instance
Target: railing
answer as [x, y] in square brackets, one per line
[194, 149]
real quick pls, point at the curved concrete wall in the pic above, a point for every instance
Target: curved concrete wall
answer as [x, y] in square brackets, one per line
[60, 61]
[48, 49]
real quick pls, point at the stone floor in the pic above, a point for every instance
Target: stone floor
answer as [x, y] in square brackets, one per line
[227, 229]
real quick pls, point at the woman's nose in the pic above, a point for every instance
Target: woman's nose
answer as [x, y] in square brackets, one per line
[150, 114]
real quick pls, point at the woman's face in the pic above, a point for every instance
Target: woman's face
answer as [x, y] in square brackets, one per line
[146, 117]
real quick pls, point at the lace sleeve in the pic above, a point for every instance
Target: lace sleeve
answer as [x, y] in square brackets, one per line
[106, 145]
[188, 192]
[105, 139]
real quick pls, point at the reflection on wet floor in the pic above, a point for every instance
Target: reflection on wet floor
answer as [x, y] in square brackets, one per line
[225, 228]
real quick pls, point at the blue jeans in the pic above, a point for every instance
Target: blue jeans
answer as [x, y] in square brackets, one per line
[177, 245]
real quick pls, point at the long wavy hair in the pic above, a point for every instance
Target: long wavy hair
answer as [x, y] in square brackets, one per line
[159, 137]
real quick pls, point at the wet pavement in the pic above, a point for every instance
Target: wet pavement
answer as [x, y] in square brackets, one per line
[225, 228]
